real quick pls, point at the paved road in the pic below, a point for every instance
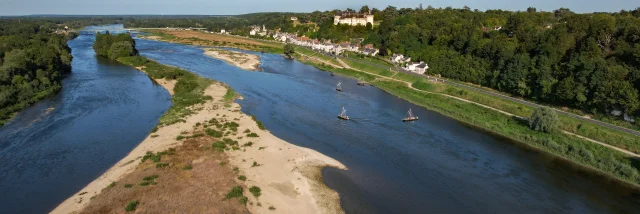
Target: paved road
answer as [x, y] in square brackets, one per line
[524, 102]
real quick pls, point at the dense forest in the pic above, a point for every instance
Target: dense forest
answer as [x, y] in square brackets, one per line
[115, 46]
[587, 61]
[33, 61]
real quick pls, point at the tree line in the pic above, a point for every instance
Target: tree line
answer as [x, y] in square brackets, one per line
[115, 46]
[586, 61]
[33, 61]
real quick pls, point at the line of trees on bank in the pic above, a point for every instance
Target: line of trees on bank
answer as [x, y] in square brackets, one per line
[33, 61]
[586, 61]
[115, 46]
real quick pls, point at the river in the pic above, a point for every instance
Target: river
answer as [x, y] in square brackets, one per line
[434, 165]
[104, 110]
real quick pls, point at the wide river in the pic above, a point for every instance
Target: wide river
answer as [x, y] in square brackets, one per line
[434, 165]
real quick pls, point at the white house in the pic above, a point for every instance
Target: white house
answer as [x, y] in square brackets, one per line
[417, 67]
[252, 32]
[222, 31]
[399, 58]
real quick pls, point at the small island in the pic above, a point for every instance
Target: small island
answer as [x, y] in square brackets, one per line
[245, 61]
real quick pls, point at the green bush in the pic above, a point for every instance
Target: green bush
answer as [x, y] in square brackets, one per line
[234, 193]
[242, 178]
[243, 200]
[255, 191]
[131, 206]
[219, 146]
[213, 133]
[544, 119]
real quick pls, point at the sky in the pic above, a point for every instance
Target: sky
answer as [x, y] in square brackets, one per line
[233, 7]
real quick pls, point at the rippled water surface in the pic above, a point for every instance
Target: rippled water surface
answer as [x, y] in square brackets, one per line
[434, 165]
[104, 110]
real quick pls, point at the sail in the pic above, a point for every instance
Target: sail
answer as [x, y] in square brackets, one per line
[409, 114]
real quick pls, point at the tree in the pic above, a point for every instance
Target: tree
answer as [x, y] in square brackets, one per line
[289, 50]
[364, 9]
[121, 49]
[543, 119]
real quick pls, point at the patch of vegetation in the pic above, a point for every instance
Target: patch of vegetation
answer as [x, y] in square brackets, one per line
[131, 206]
[258, 122]
[219, 146]
[162, 165]
[544, 119]
[252, 135]
[235, 192]
[242, 178]
[113, 184]
[151, 178]
[255, 164]
[272, 208]
[236, 169]
[187, 167]
[213, 133]
[180, 137]
[243, 200]
[248, 144]
[424, 85]
[223, 163]
[128, 185]
[157, 156]
[255, 191]
[229, 96]
[262, 147]
[247, 131]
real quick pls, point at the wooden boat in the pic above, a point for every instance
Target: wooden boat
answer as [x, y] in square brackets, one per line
[338, 87]
[343, 114]
[361, 82]
[409, 117]
[332, 74]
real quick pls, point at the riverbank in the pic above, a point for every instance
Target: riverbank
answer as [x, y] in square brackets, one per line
[578, 150]
[287, 177]
[599, 158]
[245, 61]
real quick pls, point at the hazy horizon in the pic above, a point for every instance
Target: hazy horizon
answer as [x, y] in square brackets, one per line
[204, 7]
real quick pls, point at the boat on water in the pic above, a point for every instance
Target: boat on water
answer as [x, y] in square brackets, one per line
[339, 87]
[361, 82]
[332, 74]
[409, 117]
[343, 114]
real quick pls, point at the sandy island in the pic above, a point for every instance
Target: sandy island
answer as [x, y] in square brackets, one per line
[242, 60]
[289, 175]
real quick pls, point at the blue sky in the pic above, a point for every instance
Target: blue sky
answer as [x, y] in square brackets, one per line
[230, 7]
